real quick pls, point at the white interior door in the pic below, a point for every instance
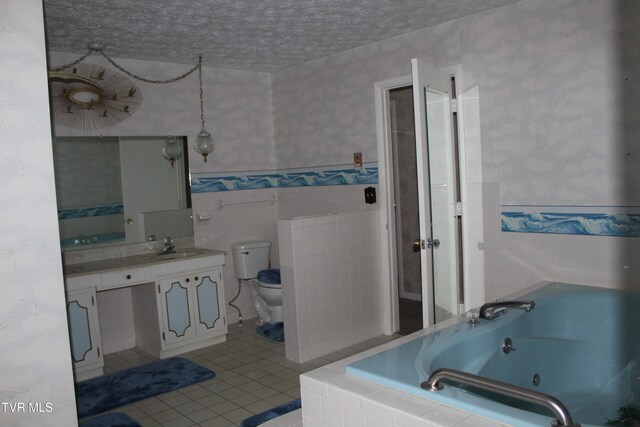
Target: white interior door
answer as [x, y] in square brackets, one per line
[436, 197]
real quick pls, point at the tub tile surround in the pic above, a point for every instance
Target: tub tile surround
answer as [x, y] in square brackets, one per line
[330, 282]
[328, 393]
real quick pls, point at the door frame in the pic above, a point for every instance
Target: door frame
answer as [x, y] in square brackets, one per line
[388, 265]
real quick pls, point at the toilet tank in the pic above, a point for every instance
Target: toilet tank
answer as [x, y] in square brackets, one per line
[249, 258]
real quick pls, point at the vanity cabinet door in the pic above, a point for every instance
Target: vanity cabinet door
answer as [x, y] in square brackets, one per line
[208, 293]
[84, 330]
[177, 310]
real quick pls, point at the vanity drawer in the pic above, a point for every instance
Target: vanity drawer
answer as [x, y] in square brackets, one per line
[122, 278]
[82, 282]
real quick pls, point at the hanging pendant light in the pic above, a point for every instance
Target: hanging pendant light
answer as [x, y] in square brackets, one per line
[172, 150]
[204, 142]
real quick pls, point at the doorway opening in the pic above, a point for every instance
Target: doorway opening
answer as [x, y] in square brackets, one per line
[405, 201]
[422, 181]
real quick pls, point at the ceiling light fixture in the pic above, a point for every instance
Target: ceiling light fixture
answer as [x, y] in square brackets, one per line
[204, 142]
[92, 95]
[171, 149]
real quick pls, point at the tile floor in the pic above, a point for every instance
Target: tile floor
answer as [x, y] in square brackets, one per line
[252, 375]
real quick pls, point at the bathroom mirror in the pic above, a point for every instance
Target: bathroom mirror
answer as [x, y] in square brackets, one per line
[114, 190]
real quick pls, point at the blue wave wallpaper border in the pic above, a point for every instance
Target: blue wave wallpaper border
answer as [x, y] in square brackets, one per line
[302, 177]
[583, 224]
[91, 211]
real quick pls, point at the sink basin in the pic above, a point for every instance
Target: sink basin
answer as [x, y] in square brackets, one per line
[182, 253]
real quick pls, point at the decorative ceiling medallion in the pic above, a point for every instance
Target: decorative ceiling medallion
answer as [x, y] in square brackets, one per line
[89, 97]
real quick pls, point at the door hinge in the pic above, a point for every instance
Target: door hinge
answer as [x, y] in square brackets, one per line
[93, 302]
[163, 337]
[458, 209]
[98, 348]
[158, 288]
[454, 105]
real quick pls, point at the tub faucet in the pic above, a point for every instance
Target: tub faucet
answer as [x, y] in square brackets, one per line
[169, 247]
[491, 310]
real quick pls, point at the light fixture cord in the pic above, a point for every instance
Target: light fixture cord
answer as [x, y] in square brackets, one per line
[130, 74]
[201, 95]
[74, 63]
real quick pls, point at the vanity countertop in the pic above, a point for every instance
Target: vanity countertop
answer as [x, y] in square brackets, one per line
[135, 261]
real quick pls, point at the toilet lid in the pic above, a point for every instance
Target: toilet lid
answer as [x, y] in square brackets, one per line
[270, 285]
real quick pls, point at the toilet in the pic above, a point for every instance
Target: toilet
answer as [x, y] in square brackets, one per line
[251, 263]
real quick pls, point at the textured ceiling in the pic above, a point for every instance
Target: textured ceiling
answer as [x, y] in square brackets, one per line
[258, 35]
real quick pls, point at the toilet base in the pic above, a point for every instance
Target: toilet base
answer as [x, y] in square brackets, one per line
[276, 313]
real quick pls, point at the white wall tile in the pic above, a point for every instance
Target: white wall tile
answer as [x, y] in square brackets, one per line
[330, 305]
[415, 406]
[332, 413]
[373, 421]
[444, 416]
[408, 420]
[311, 406]
[353, 417]
[475, 421]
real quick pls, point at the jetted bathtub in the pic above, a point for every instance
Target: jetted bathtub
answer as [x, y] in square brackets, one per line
[579, 344]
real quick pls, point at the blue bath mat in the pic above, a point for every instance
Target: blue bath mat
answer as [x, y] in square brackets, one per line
[273, 331]
[107, 392]
[270, 414]
[113, 419]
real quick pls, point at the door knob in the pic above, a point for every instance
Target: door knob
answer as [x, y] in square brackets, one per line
[417, 245]
[129, 221]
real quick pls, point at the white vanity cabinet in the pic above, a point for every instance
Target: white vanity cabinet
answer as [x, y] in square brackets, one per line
[178, 304]
[84, 333]
[191, 311]
[188, 313]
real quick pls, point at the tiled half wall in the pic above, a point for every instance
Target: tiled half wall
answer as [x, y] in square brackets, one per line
[330, 282]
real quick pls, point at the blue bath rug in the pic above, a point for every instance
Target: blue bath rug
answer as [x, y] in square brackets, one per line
[270, 414]
[273, 331]
[107, 392]
[112, 419]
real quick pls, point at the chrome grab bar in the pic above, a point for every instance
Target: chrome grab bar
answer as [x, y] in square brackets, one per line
[563, 417]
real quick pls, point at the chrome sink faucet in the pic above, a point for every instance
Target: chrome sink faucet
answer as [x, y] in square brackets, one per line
[169, 247]
[491, 310]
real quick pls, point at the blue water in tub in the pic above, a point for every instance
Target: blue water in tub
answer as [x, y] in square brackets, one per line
[582, 342]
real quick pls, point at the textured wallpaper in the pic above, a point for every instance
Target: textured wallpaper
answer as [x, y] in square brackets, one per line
[35, 362]
[237, 106]
[553, 78]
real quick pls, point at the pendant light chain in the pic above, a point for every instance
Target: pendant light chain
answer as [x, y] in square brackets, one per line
[74, 63]
[204, 143]
[130, 74]
[201, 95]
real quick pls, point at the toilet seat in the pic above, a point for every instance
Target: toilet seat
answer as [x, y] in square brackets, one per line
[270, 285]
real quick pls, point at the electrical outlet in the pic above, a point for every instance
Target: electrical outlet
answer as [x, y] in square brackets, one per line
[357, 160]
